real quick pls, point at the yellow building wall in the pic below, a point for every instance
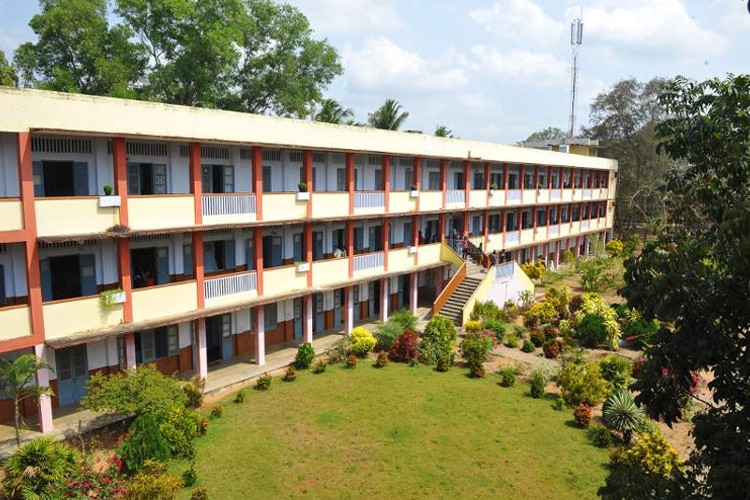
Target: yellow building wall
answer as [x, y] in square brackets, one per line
[11, 215]
[429, 254]
[283, 206]
[430, 201]
[478, 198]
[528, 196]
[66, 216]
[281, 280]
[400, 202]
[400, 260]
[328, 272]
[497, 198]
[327, 205]
[160, 211]
[68, 317]
[165, 300]
[527, 236]
[15, 321]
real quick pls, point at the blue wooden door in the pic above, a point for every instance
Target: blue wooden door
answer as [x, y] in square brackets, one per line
[162, 265]
[72, 373]
[38, 178]
[88, 274]
[46, 278]
[356, 303]
[298, 320]
[371, 298]
[337, 307]
[80, 178]
[318, 312]
[226, 337]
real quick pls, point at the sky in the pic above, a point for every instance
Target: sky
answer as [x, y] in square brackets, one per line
[500, 70]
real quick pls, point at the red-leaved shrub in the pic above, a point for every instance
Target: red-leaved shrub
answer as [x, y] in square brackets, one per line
[583, 415]
[405, 347]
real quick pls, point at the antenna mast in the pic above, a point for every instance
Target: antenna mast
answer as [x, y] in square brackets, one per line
[576, 40]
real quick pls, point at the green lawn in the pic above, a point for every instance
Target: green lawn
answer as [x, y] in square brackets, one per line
[406, 432]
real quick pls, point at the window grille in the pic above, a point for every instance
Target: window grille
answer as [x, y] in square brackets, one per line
[61, 145]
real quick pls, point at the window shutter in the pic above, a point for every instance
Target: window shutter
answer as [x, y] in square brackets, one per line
[229, 255]
[229, 179]
[162, 265]
[46, 278]
[134, 178]
[249, 254]
[80, 178]
[187, 260]
[160, 179]
[88, 274]
[206, 178]
[38, 179]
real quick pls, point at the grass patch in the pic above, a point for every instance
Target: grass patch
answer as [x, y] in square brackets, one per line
[396, 432]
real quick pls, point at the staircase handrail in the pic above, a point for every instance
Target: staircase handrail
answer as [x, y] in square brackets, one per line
[452, 285]
[481, 288]
[480, 255]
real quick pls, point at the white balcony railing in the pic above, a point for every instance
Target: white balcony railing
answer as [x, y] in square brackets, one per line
[230, 285]
[369, 200]
[587, 194]
[368, 261]
[504, 271]
[585, 225]
[514, 195]
[553, 230]
[228, 204]
[555, 194]
[455, 196]
[512, 237]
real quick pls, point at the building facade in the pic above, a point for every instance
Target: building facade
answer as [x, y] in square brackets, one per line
[134, 232]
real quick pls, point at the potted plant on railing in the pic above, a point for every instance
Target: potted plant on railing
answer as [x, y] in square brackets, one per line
[303, 194]
[109, 200]
[413, 191]
[493, 188]
[110, 298]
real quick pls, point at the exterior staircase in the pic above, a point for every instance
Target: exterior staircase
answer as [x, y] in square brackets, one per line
[453, 308]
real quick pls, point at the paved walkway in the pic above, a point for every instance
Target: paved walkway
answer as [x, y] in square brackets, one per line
[222, 378]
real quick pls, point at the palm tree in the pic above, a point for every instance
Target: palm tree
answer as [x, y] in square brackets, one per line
[389, 116]
[15, 384]
[622, 414]
[443, 131]
[332, 112]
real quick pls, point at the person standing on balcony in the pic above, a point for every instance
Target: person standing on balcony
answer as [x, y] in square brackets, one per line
[464, 246]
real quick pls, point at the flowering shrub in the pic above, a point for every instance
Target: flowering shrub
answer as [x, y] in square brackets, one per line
[651, 453]
[405, 347]
[361, 341]
[583, 383]
[614, 248]
[473, 327]
[539, 314]
[596, 322]
[583, 415]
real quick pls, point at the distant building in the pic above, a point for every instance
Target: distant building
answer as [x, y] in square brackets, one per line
[573, 145]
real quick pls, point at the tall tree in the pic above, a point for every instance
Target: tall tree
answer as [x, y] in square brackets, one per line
[330, 111]
[244, 55]
[7, 73]
[624, 120]
[548, 134]
[77, 50]
[15, 384]
[389, 116]
[443, 131]
[693, 278]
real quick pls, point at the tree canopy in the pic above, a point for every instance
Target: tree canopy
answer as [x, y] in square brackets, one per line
[8, 75]
[330, 111]
[624, 119]
[244, 55]
[443, 131]
[389, 116]
[693, 278]
[548, 134]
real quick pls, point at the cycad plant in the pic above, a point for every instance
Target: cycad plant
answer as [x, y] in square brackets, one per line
[622, 414]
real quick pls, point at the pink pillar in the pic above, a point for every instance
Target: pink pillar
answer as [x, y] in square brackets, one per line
[557, 254]
[200, 341]
[307, 336]
[260, 336]
[42, 380]
[384, 299]
[414, 284]
[349, 312]
[130, 351]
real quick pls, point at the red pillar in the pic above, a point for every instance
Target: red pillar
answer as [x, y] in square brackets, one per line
[119, 158]
[198, 270]
[257, 165]
[441, 226]
[258, 249]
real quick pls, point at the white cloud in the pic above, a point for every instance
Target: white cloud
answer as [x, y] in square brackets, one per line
[658, 28]
[350, 16]
[381, 63]
[521, 20]
[520, 66]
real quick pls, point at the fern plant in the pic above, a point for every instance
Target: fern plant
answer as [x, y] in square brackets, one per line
[622, 414]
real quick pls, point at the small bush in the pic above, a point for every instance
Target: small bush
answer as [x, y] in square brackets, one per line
[153, 484]
[263, 383]
[475, 349]
[614, 248]
[338, 351]
[537, 383]
[405, 348]
[473, 327]
[190, 477]
[405, 319]
[217, 411]
[511, 310]
[601, 436]
[305, 356]
[199, 493]
[486, 311]
[559, 404]
[498, 327]
[583, 415]
[386, 333]
[361, 341]
[537, 338]
[179, 427]
[652, 454]
[616, 370]
[534, 270]
[290, 375]
[319, 367]
[438, 341]
[539, 314]
[381, 360]
[145, 442]
[590, 331]
[551, 349]
[511, 341]
[37, 468]
[507, 377]
[351, 361]
[202, 427]
[239, 397]
[444, 363]
[194, 393]
[583, 383]
[528, 346]
[551, 332]
[526, 297]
